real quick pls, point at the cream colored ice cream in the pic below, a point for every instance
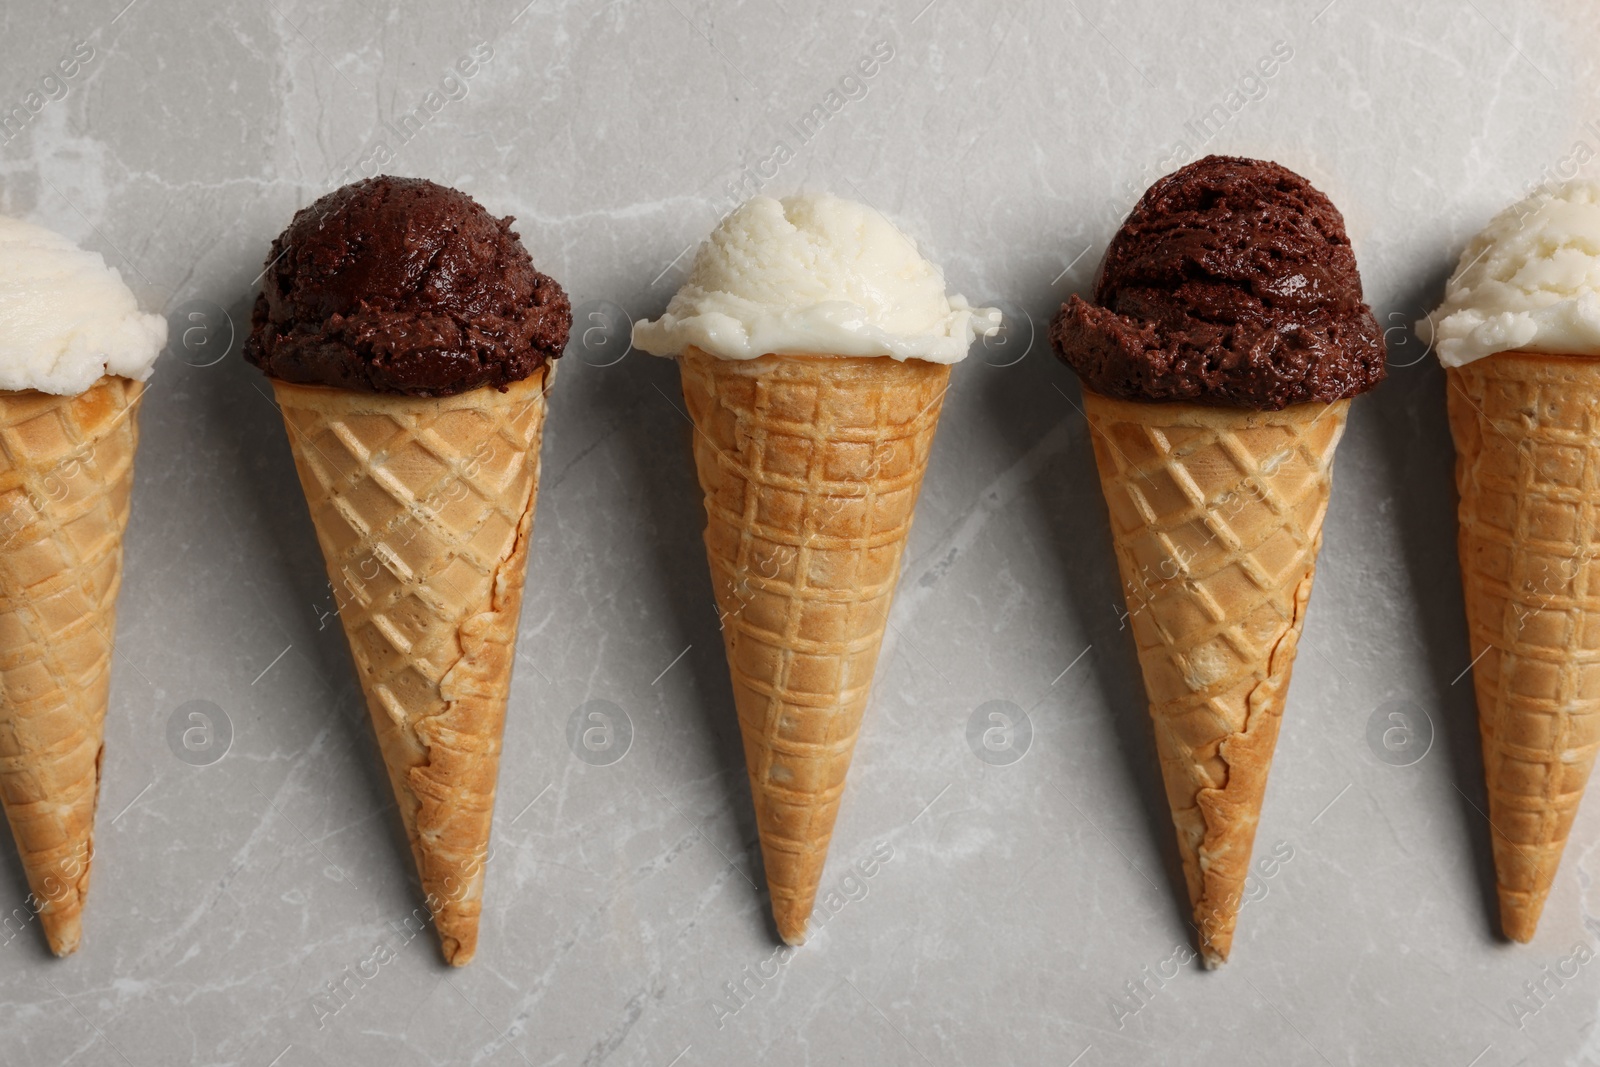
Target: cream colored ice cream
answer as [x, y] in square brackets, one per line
[814, 275]
[1527, 283]
[66, 318]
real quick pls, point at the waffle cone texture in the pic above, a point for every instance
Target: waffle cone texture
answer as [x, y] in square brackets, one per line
[66, 474]
[1527, 436]
[424, 508]
[810, 466]
[1216, 517]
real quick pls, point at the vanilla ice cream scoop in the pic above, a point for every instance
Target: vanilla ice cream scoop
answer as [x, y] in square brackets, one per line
[66, 318]
[814, 275]
[1527, 283]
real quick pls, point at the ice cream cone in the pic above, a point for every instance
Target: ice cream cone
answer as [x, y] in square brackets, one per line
[424, 508]
[810, 467]
[1216, 516]
[1527, 435]
[66, 472]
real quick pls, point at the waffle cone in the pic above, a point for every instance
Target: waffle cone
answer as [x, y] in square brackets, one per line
[810, 467]
[66, 473]
[1527, 435]
[423, 508]
[1216, 515]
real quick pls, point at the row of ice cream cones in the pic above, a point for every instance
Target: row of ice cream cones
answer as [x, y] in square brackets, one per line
[813, 430]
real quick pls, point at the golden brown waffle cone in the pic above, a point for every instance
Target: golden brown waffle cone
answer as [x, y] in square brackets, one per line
[423, 508]
[810, 467]
[66, 472]
[1527, 434]
[1216, 514]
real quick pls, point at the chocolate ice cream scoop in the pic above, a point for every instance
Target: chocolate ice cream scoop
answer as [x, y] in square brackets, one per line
[1232, 283]
[399, 285]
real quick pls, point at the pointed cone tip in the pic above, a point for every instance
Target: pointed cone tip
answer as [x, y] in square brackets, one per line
[63, 934]
[1519, 921]
[791, 927]
[456, 951]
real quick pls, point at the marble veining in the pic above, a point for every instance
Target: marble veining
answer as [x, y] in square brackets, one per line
[259, 910]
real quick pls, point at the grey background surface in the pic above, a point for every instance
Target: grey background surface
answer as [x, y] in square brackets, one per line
[1018, 900]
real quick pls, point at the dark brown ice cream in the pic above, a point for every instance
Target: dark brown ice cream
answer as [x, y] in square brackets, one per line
[399, 285]
[1231, 283]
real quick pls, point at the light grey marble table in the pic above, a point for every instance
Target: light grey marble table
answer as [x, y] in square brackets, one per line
[1009, 906]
